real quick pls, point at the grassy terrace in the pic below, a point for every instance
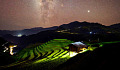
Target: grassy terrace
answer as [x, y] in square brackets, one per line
[46, 56]
[52, 53]
[101, 44]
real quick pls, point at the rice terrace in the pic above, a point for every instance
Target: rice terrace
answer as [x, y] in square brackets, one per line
[59, 34]
[46, 56]
[49, 54]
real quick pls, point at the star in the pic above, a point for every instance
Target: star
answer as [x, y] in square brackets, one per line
[88, 11]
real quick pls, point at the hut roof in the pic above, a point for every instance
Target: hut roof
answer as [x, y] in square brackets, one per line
[78, 44]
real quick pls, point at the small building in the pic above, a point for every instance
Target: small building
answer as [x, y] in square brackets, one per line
[77, 47]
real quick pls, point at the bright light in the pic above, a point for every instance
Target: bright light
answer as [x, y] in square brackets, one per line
[90, 32]
[11, 49]
[5, 49]
[83, 50]
[72, 54]
[19, 35]
[15, 46]
[88, 11]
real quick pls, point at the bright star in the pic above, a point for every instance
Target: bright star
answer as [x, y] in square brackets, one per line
[88, 11]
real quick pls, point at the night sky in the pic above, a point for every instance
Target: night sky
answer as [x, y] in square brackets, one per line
[23, 14]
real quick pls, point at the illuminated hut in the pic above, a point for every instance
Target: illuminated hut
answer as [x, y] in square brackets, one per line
[77, 47]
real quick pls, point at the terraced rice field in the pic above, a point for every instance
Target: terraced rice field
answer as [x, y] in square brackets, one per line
[52, 53]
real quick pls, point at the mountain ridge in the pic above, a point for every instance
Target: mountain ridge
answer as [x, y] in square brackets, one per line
[72, 25]
[26, 31]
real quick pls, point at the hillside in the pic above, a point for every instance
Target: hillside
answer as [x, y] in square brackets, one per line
[26, 31]
[73, 27]
[45, 57]
[48, 50]
[115, 25]
[85, 28]
[103, 58]
[75, 31]
[5, 57]
[45, 36]
[54, 55]
[2, 41]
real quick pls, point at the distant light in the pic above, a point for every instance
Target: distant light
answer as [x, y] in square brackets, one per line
[11, 49]
[5, 49]
[90, 32]
[19, 35]
[79, 27]
[15, 46]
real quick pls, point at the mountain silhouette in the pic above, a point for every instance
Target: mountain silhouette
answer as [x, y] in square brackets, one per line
[75, 31]
[85, 27]
[26, 31]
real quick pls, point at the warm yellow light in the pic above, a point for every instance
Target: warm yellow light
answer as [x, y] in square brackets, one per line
[11, 49]
[58, 31]
[84, 50]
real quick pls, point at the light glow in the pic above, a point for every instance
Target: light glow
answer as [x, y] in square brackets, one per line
[11, 49]
[90, 32]
[5, 49]
[88, 11]
[19, 35]
[72, 54]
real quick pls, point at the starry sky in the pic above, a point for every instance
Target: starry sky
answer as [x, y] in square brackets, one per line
[23, 14]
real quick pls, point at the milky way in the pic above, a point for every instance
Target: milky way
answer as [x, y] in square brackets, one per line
[22, 14]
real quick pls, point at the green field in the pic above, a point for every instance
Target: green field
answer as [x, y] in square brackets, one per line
[46, 56]
[50, 54]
